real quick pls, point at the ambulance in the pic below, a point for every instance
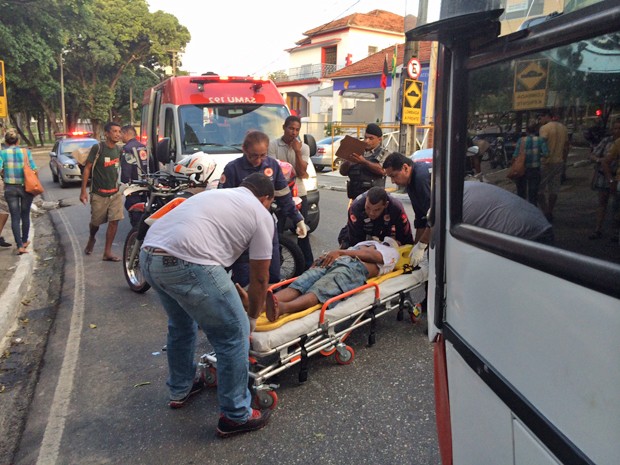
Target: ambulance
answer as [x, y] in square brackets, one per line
[212, 114]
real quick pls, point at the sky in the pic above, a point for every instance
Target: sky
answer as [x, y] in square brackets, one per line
[243, 37]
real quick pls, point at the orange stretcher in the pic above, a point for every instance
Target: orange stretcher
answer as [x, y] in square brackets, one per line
[281, 345]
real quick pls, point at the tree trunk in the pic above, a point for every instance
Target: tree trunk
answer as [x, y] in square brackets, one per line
[17, 124]
[51, 117]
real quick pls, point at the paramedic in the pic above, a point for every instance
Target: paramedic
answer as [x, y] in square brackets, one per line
[368, 171]
[184, 256]
[255, 160]
[416, 179]
[375, 214]
[291, 149]
[337, 272]
[131, 171]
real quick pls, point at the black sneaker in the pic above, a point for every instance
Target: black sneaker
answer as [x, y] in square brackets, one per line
[4, 243]
[198, 386]
[226, 427]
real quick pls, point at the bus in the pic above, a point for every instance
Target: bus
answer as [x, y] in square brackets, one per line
[526, 333]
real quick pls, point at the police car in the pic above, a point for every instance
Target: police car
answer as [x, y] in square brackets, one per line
[63, 164]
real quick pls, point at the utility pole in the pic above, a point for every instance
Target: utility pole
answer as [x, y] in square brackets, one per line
[131, 104]
[406, 138]
[62, 95]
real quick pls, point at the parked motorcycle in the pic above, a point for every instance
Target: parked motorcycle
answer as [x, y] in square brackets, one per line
[161, 190]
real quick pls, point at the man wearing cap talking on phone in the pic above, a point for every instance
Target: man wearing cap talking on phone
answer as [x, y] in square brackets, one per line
[367, 169]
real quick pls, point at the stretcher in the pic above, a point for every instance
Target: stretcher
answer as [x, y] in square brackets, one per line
[323, 329]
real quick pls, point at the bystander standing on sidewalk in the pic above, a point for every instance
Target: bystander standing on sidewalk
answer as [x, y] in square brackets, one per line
[12, 160]
[4, 214]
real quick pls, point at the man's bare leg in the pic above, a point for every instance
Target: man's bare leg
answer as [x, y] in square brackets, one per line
[277, 307]
[90, 245]
[110, 234]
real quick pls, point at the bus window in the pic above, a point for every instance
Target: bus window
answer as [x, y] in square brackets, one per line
[562, 106]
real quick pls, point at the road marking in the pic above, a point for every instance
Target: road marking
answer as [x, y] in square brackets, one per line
[50, 446]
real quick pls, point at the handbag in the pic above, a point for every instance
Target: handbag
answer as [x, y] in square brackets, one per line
[32, 184]
[517, 169]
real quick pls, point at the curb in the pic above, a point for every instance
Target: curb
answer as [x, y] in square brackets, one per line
[11, 299]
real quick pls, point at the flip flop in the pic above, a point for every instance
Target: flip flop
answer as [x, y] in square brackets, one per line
[111, 259]
[272, 306]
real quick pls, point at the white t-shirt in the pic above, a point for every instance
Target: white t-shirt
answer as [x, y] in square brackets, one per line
[390, 255]
[214, 228]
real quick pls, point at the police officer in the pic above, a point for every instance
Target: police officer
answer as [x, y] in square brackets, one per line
[375, 215]
[255, 160]
[367, 171]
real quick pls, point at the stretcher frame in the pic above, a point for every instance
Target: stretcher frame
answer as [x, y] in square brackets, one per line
[328, 338]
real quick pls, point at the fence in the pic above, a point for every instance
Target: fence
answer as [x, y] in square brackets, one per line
[420, 137]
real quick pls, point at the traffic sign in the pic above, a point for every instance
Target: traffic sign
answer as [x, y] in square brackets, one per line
[3, 105]
[414, 68]
[530, 86]
[412, 102]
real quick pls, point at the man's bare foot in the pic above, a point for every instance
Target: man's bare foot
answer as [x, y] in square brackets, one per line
[245, 300]
[90, 245]
[26, 244]
[111, 258]
[272, 306]
[21, 250]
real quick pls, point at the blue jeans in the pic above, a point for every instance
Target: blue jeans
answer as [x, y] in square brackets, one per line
[203, 294]
[19, 202]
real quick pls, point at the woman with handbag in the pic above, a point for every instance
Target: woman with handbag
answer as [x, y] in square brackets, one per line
[535, 148]
[12, 160]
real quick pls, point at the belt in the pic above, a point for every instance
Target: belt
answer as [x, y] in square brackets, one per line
[156, 251]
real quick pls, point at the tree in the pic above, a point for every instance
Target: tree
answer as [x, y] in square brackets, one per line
[101, 41]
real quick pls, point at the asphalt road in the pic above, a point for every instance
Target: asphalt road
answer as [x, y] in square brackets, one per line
[101, 394]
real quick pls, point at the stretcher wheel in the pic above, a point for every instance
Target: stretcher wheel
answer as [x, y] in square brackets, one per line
[210, 376]
[266, 399]
[346, 356]
[328, 352]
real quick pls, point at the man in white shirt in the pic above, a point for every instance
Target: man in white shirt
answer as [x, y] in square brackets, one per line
[184, 258]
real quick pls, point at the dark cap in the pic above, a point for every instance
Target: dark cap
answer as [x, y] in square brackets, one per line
[374, 129]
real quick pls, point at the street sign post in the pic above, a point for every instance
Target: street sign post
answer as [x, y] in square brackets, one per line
[4, 111]
[412, 102]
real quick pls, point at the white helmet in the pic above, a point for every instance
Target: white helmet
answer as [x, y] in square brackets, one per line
[199, 167]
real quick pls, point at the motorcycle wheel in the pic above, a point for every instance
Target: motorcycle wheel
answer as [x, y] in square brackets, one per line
[292, 261]
[131, 269]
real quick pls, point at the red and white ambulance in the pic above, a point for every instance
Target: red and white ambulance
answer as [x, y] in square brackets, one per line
[212, 114]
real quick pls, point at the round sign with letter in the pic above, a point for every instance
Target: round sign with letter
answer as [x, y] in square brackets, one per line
[414, 68]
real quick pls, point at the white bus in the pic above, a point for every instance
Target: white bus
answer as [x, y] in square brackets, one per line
[526, 333]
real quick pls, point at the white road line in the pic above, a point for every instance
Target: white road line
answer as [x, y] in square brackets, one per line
[50, 446]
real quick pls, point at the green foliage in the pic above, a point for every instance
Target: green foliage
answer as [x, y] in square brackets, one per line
[102, 42]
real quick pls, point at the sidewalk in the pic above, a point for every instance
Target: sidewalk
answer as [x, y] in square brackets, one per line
[16, 270]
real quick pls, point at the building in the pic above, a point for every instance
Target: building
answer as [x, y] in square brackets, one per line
[331, 47]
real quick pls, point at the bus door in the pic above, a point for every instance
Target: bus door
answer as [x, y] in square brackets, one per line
[525, 296]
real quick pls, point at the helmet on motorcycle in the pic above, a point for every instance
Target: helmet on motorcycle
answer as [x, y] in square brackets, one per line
[199, 167]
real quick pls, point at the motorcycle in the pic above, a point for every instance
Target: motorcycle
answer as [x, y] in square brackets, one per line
[161, 191]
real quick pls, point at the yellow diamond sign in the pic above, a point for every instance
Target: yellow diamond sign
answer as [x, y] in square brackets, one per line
[530, 86]
[412, 102]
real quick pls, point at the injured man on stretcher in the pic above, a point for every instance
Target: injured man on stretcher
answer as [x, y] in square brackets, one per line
[334, 273]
